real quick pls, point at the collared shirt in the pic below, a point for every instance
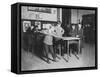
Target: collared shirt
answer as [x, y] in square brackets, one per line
[59, 30]
[48, 38]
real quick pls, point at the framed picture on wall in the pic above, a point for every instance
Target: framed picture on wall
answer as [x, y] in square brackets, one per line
[53, 38]
[26, 24]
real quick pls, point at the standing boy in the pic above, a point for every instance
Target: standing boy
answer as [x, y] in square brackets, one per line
[48, 42]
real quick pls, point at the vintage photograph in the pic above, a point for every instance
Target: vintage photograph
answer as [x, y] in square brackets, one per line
[57, 38]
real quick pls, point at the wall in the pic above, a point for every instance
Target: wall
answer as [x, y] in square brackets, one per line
[77, 14]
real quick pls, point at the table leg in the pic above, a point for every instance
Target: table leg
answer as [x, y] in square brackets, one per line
[60, 50]
[79, 46]
[65, 48]
[68, 48]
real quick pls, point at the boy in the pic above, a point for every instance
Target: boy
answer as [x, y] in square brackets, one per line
[58, 41]
[48, 42]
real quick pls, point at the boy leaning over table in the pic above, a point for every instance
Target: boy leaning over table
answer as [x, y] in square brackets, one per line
[59, 41]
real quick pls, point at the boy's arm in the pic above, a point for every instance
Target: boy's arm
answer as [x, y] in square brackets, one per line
[54, 34]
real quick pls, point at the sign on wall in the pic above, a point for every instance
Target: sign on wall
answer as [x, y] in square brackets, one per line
[39, 13]
[39, 9]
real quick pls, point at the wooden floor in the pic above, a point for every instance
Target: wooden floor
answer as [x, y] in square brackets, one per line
[30, 61]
